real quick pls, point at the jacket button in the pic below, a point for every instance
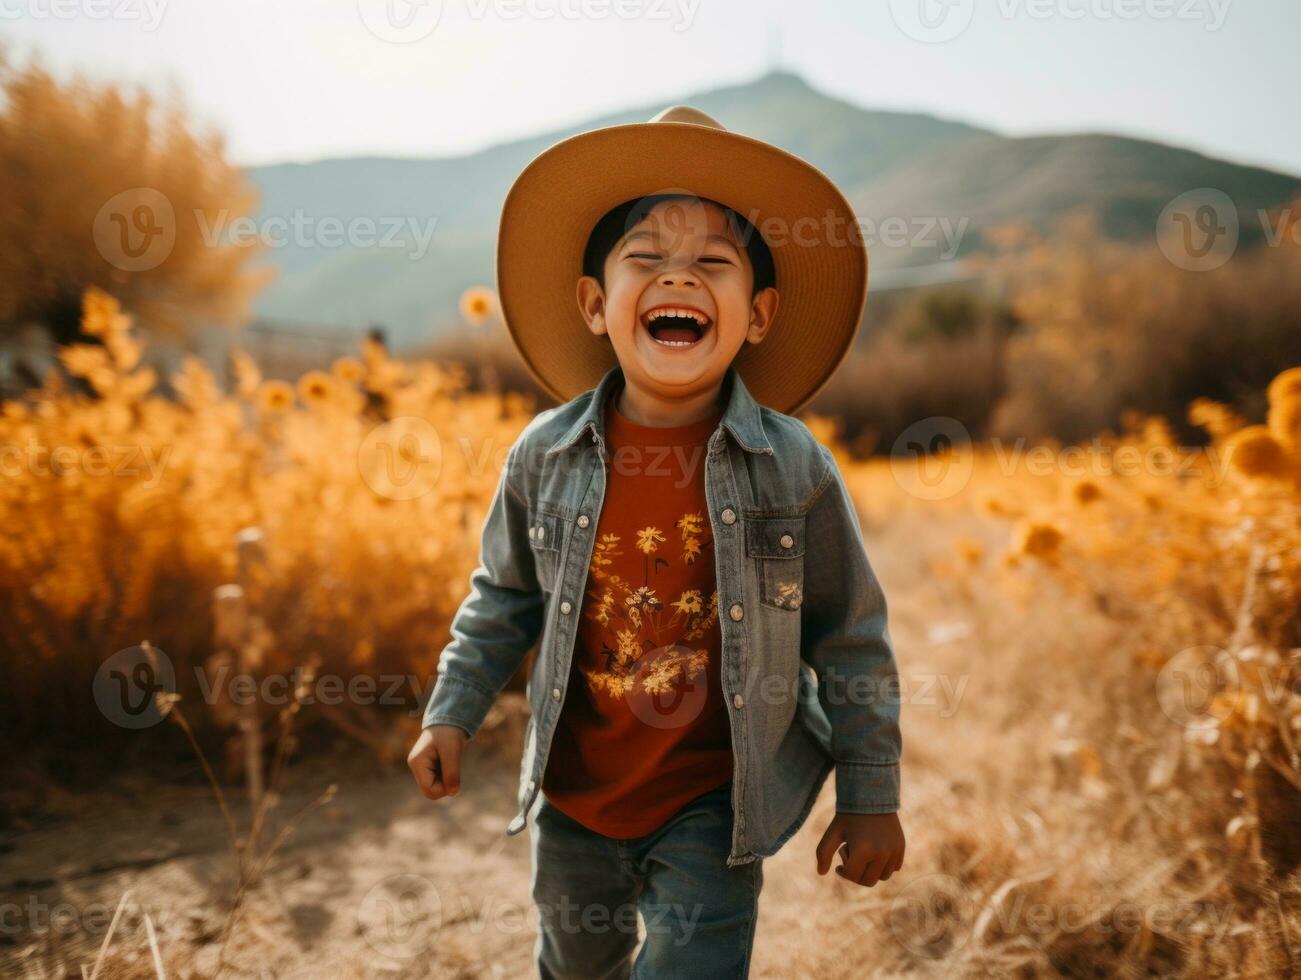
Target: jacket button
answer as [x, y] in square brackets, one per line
[738, 700]
[566, 607]
[788, 541]
[728, 515]
[736, 612]
[584, 520]
[555, 694]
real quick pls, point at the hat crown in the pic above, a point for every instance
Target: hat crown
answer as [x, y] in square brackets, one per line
[688, 114]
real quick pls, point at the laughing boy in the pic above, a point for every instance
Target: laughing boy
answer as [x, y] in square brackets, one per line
[713, 640]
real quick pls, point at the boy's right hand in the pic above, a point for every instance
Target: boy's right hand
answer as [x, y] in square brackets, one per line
[435, 760]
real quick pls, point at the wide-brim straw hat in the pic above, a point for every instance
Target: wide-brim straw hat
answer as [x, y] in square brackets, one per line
[811, 230]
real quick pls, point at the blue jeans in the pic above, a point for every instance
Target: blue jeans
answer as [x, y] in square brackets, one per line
[699, 913]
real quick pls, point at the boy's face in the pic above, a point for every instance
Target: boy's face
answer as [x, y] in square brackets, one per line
[676, 303]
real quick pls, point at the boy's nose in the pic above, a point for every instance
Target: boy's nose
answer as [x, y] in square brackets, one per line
[678, 278]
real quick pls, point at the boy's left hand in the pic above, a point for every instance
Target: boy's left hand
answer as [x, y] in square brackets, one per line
[873, 845]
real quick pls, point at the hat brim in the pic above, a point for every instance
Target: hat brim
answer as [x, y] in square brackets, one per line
[811, 230]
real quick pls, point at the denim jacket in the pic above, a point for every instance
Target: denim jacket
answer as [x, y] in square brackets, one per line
[808, 671]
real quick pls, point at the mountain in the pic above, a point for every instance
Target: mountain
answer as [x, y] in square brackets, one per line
[939, 176]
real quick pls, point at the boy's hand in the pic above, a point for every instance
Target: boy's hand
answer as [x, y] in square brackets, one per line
[435, 760]
[873, 844]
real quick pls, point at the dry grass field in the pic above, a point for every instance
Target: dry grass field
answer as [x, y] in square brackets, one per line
[1099, 647]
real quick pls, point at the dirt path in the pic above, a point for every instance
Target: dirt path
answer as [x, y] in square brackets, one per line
[381, 882]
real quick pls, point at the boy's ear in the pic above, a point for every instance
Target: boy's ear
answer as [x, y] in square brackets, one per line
[591, 303]
[763, 309]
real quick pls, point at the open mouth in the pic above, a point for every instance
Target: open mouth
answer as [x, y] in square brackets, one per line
[676, 326]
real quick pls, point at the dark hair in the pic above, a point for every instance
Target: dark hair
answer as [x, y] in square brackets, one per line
[619, 220]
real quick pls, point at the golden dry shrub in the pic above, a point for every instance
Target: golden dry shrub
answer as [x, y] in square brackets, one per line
[144, 223]
[1195, 561]
[126, 506]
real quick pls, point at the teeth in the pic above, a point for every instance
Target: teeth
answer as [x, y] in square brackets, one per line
[664, 311]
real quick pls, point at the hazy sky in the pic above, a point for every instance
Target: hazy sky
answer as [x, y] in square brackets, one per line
[299, 80]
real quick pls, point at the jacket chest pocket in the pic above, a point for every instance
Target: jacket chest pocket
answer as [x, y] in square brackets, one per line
[776, 546]
[546, 538]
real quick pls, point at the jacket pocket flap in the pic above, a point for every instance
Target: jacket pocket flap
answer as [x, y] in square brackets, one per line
[545, 530]
[774, 537]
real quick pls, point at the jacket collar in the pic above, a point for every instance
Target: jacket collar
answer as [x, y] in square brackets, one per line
[741, 415]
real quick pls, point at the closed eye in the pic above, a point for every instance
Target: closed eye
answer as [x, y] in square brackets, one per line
[651, 256]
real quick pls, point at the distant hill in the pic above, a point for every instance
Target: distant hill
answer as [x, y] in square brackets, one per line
[932, 173]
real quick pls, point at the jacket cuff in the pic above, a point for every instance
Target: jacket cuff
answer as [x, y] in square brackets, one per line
[457, 702]
[864, 787]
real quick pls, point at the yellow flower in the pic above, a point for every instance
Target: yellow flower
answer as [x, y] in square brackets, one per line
[1086, 492]
[276, 396]
[1039, 539]
[477, 304]
[690, 601]
[629, 648]
[348, 370]
[1256, 454]
[316, 388]
[648, 539]
[690, 524]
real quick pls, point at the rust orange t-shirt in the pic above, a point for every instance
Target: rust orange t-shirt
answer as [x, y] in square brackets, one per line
[644, 729]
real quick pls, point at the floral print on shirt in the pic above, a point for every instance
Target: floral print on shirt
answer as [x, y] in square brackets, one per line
[650, 634]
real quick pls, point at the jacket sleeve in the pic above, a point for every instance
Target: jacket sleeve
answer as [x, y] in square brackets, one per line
[844, 638]
[500, 619]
